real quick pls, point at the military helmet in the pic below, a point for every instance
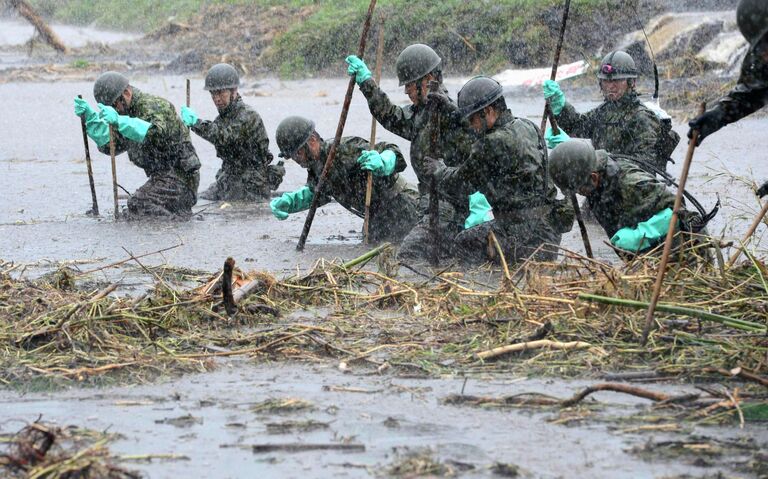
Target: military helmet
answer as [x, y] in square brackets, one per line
[293, 133]
[617, 65]
[416, 61]
[108, 87]
[221, 77]
[478, 93]
[571, 163]
[752, 18]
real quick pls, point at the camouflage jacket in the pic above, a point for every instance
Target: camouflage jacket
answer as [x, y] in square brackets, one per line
[751, 92]
[625, 126]
[507, 165]
[240, 138]
[626, 195]
[167, 145]
[346, 182]
[414, 123]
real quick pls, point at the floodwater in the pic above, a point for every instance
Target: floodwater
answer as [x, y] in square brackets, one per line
[44, 194]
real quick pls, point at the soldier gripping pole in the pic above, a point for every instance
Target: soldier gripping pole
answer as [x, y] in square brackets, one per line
[339, 131]
[671, 231]
[94, 204]
[369, 182]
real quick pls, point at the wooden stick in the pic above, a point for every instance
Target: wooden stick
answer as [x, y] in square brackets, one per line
[671, 232]
[188, 94]
[758, 219]
[26, 11]
[94, 202]
[114, 168]
[540, 344]
[337, 138]
[556, 61]
[434, 194]
[615, 387]
[118, 263]
[369, 183]
[226, 287]
[574, 201]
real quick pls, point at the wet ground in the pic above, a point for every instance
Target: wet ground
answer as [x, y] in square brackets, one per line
[44, 191]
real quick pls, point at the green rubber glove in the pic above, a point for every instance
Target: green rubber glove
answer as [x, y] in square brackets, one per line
[358, 68]
[188, 116]
[96, 129]
[554, 140]
[291, 202]
[479, 210]
[135, 129]
[555, 96]
[641, 236]
[380, 164]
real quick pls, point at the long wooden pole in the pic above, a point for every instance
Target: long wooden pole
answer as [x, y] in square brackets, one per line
[94, 203]
[114, 168]
[556, 62]
[758, 219]
[50, 37]
[337, 138]
[188, 94]
[574, 201]
[369, 182]
[671, 232]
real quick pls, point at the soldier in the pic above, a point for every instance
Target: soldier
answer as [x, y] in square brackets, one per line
[418, 65]
[751, 92]
[146, 126]
[633, 207]
[507, 164]
[393, 210]
[240, 140]
[622, 124]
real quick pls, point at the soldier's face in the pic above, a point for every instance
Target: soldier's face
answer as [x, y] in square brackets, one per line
[413, 88]
[222, 98]
[613, 90]
[123, 102]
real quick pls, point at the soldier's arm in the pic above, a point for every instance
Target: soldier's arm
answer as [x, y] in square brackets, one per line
[743, 100]
[643, 196]
[392, 117]
[578, 125]
[641, 135]
[468, 177]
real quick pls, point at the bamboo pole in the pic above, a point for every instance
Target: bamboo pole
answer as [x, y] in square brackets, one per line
[369, 180]
[94, 203]
[758, 219]
[671, 232]
[114, 168]
[337, 137]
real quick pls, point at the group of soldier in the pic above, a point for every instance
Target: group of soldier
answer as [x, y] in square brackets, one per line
[493, 173]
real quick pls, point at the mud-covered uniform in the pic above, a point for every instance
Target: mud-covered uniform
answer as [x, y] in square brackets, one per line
[507, 165]
[167, 157]
[413, 123]
[628, 195]
[242, 143]
[394, 202]
[625, 126]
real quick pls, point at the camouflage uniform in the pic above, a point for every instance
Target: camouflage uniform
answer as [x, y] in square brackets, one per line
[394, 203]
[625, 126]
[453, 142]
[507, 165]
[628, 195]
[167, 157]
[242, 143]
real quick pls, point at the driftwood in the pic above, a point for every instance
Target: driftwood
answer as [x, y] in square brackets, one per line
[226, 287]
[540, 344]
[26, 11]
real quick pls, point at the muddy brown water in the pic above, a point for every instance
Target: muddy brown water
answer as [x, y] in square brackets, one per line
[44, 194]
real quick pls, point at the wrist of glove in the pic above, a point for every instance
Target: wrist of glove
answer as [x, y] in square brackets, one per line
[479, 210]
[84, 110]
[554, 140]
[358, 69]
[291, 202]
[554, 96]
[380, 164]
[645, 234]
[706, 124]
[134, 129]
[188, 116]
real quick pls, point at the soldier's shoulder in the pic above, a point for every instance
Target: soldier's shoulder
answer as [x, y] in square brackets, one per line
[155, 103]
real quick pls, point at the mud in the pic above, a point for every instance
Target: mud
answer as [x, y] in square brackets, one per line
[210, 419]
[42, 223]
